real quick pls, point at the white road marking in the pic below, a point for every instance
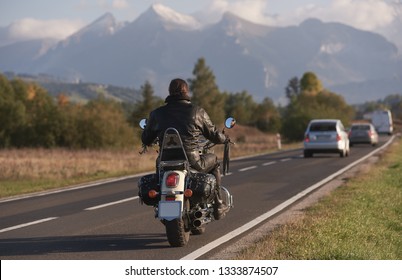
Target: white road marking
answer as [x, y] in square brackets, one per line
[248, 168]
[208, 247]
[111, 203]
[269, 163]
[285, 159]
[52, 218]
[71, 188]
[27, 224]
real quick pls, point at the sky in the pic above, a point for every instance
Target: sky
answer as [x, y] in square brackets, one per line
[61, 18]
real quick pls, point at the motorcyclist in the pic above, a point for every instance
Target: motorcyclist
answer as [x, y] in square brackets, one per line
[192, 122]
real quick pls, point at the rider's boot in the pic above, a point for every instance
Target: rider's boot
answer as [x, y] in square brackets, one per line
[220, 208]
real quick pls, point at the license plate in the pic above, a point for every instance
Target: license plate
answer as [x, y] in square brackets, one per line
[169, 210]
[323, 137]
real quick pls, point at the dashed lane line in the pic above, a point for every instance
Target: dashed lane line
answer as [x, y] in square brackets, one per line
[111, 203]
[248, 168]
[27, 224]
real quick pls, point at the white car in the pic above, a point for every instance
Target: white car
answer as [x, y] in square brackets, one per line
[326, 136]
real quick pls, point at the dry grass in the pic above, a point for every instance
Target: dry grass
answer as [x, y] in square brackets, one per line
[29, 170]
[23, 164]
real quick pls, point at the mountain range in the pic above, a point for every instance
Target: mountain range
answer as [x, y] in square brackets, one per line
[162, 44]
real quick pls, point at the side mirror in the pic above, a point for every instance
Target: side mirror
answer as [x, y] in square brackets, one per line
[230, 122]
[143, 123]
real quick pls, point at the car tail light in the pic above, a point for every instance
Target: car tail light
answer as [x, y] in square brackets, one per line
[307, 138]
[172, 180]
[338, 137]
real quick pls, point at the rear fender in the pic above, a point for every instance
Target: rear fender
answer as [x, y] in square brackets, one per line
[172, 198]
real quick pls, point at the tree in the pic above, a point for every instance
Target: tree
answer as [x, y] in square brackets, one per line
[205, 92]
[149, 102]
[30, 117]
[241, 106]
[12, 113]
[267, 117]
[310, 84]
[41, 127]
[101, 124]
[313, 102]
[293, 88]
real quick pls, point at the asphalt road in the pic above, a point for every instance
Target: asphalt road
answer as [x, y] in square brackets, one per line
[106, 221]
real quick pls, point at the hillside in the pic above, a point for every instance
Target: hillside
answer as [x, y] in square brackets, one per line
[80, 92]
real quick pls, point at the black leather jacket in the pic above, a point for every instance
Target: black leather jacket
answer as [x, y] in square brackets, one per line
[192, 122]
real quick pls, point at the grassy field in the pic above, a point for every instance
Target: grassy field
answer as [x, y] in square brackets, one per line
[361, 220]
[31, 170]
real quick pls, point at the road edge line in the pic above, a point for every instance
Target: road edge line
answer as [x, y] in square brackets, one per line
[208, 247]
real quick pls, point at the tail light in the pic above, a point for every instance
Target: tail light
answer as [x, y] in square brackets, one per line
[172, 180]
[152, 193]
[188, 193]
[338, 137]
[307, 138]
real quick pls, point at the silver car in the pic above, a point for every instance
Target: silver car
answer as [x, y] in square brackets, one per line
[326, 136]
[363, 133]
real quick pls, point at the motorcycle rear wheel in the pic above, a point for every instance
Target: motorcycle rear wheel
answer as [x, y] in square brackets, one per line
[178, 234]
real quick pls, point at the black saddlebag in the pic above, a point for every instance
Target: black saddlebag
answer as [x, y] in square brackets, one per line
[145, 184]
[203, 187]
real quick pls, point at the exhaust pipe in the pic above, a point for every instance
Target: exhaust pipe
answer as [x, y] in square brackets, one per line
[197, 223]
[201, 217]
[198, 214]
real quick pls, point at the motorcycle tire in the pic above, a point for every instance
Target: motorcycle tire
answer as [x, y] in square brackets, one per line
[178, 234]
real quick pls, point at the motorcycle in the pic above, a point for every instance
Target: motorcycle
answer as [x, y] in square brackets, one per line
[183, 198]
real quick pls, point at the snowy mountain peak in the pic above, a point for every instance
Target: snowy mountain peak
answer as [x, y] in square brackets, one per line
[106, 24]
[234, 24]
[172, 19]
[103, 26]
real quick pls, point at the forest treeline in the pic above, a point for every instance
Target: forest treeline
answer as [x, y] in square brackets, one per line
[31, 117]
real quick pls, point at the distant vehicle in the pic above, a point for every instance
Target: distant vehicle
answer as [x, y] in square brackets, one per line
[382, 121]
[363, 133]
[326, 136]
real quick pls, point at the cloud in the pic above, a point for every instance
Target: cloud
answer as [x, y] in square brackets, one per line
[30, 28]
[363, 14]
[382, 16]
[252, 10]
[120, 4]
